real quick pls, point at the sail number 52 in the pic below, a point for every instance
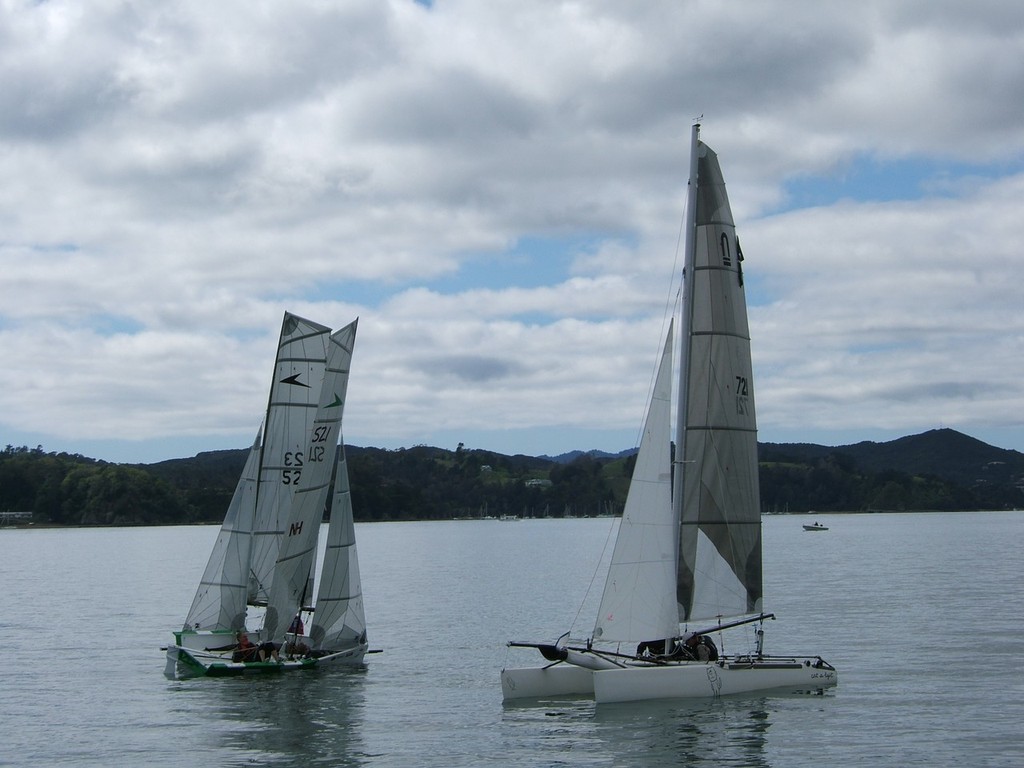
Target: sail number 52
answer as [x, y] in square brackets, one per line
[293, 471]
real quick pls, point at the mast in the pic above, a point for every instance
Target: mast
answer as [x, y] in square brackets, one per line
[689, 244]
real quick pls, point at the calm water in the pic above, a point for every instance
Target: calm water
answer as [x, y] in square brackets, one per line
[921, 613]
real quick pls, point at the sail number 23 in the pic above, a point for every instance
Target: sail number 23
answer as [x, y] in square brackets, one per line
[293, 460]
[293, 468]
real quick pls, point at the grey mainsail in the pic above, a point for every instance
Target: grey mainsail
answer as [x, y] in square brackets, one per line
[720, 538]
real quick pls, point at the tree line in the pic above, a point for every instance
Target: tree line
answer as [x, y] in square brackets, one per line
[427, 483]
[69, 489]
[419, 483]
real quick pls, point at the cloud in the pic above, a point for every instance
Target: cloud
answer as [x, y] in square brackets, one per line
[876, 302]
[178, 175]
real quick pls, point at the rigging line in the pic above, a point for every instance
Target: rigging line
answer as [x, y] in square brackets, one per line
[673, 298]
[597, 568]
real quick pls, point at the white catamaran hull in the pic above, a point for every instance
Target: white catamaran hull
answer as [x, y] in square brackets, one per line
[710, 680]
[684, 680]
[571, 676]
[549, 682]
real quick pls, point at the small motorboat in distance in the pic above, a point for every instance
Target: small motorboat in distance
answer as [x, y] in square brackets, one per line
[816, 527]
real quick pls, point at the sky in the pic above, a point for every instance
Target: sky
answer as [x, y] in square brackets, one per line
[495, 190]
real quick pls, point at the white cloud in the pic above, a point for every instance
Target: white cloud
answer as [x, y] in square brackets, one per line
[893, 316]
[177, 175]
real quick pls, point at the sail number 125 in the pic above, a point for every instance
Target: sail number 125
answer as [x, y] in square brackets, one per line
[317, 451]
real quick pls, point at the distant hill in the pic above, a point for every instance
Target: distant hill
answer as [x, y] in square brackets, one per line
[571, 456]
[941, 469]
[943, 453]
[937, 470]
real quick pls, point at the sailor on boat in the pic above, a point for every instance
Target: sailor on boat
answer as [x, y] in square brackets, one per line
[246, 651]
[696, 647]
[701, 647]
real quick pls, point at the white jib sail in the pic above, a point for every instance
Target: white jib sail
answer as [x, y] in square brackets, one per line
[297, 554]
[639, 600]
[340, 621]
[219, 603]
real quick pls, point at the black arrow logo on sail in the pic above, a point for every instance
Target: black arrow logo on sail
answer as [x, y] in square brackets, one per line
[294, 379]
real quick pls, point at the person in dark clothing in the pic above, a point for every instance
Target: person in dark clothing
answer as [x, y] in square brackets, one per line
[246, 651]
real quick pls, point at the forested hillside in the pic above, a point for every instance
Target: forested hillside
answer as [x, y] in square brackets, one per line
[68, 489]
[938, 470]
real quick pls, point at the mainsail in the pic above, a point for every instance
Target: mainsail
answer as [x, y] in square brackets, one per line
[639, 592]
[297, 554]
[720, 539]
[294, 398]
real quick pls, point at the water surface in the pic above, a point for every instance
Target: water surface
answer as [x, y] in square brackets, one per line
[921, 613]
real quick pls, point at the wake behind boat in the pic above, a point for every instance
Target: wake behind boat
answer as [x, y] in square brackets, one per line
[248, 613]
[686, 565]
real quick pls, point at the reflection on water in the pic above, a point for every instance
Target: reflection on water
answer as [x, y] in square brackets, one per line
[718, 732]
[303, 718]
[692, 733]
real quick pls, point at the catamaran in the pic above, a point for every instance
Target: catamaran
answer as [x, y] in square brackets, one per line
[259, 580]
[686, 564]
